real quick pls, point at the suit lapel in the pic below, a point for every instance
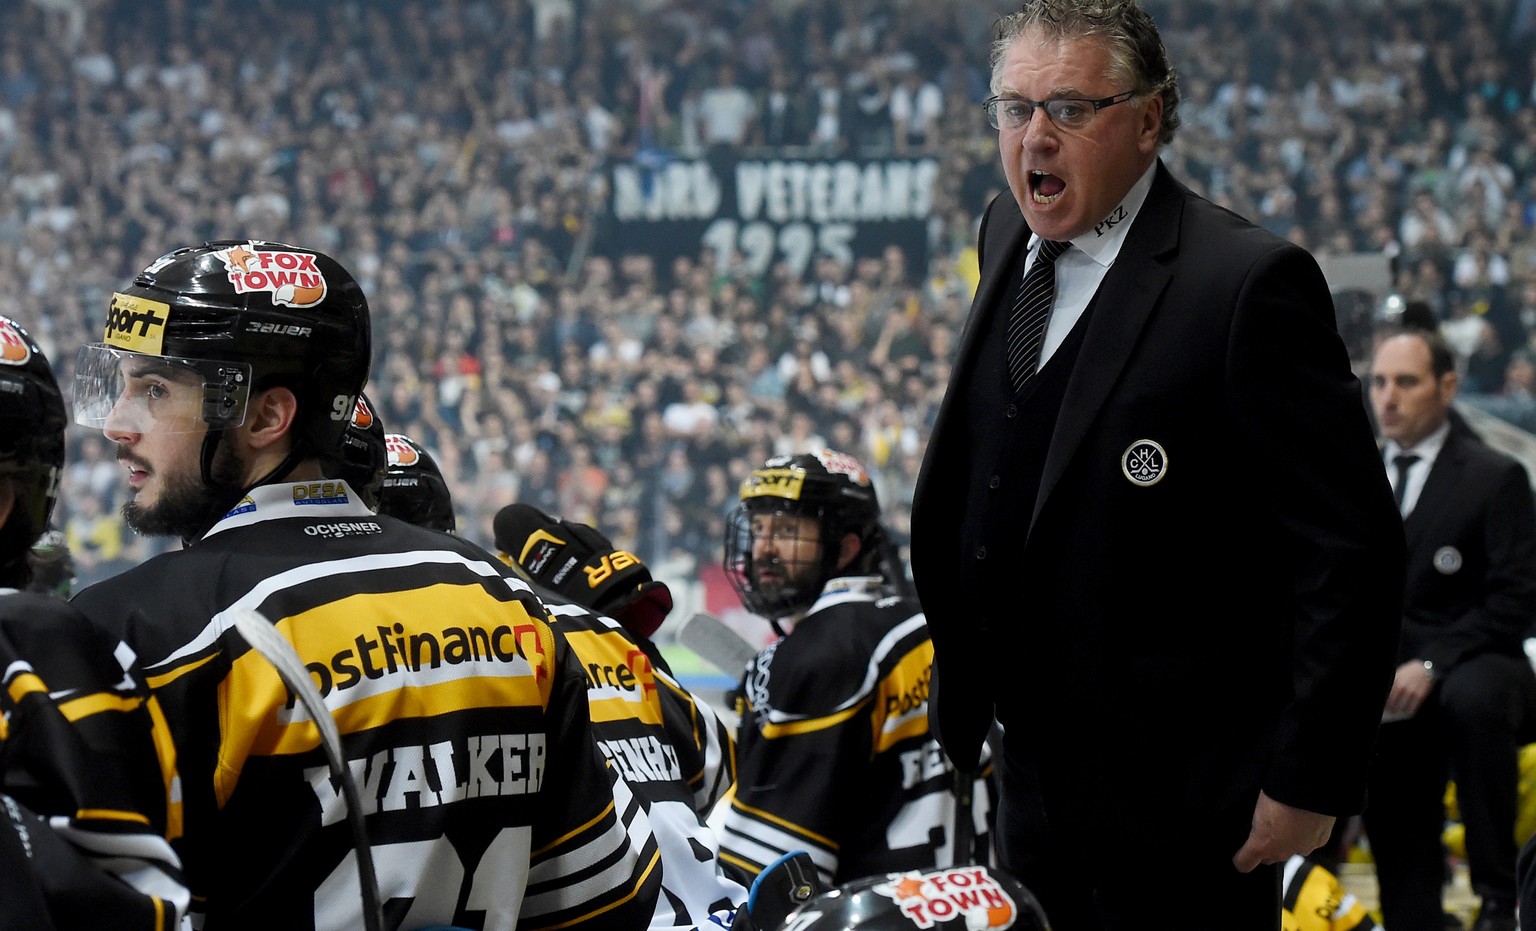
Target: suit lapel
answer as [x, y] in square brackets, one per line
[1439, 485]
[1124, 301]
[1005, 242]
[1004, 235]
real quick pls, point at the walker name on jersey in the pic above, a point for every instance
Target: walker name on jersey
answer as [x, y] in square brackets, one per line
[643, 759]
[399, 778]
[371, 665]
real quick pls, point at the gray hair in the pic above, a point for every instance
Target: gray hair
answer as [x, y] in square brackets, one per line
[1136, 52]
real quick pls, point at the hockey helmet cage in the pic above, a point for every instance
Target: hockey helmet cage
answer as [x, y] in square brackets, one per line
[32, 422]
[364, 455]
[955, 898]
[413, 488]
[829, 487]
[242, 316]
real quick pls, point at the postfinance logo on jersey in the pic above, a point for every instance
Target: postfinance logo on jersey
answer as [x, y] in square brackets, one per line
[491, 654]
[620, 682]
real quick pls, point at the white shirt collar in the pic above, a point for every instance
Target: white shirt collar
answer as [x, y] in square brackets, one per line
[1426, 449]
[329, 499]
[1102, 243]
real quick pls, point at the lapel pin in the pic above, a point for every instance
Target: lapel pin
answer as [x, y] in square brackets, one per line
[1447, 560]
[1144, 462]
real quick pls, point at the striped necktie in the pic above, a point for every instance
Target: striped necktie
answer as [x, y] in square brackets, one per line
[1026, 328]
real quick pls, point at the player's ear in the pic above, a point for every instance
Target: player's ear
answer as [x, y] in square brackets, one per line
[848, 550]
[270, 416]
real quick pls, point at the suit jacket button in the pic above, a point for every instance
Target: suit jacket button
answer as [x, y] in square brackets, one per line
[981, 552]
[994, 481]
[1012, 411]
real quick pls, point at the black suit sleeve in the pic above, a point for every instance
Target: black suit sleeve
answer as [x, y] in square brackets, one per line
[1296, 407]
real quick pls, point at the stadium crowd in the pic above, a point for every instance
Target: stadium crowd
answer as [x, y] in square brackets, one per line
[452, 153]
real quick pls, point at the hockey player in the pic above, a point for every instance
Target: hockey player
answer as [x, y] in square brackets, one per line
[85, 798]
[226, 378]
[670, 747]
[413, 488]
[833, 753]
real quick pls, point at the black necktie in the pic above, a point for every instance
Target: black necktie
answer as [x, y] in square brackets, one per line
[1026, 328]
[1404, 462]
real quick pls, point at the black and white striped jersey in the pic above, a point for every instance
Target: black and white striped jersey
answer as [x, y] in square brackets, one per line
[87, 779]
[464, 722]
[833, 753]
[672, 751]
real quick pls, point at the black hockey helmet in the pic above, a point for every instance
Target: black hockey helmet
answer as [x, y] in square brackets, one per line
[828, 486]
[32, 422]
[245, 316]
[364, 455]
[413, 488]
[956, 898]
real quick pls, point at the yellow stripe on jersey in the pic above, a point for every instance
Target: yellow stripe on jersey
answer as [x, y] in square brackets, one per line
[639, 885]
[165, 751]
[108, 814]
[771, 730]
[574, 832]
[771, 818]
[25, 683]
[491, 654]
[87, 705]
[901, 709]
[165, 678]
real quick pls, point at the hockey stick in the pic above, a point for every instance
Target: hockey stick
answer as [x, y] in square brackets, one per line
[264, 639]
[716, 643]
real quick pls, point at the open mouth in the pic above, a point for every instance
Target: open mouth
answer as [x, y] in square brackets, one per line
[1045, 188]
[137, 472]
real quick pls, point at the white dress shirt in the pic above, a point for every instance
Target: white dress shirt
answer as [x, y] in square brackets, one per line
[1080, 271]
[1427, 450]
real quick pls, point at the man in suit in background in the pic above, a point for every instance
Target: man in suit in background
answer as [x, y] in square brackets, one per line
[1463, 699]
[1155, 482]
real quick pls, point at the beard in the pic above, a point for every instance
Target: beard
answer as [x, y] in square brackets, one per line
[187, 505]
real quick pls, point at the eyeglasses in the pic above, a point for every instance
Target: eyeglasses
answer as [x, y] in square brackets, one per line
[1068, 113]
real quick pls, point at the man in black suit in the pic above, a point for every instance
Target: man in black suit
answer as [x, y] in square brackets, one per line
[1464, 696]
[1180, 562]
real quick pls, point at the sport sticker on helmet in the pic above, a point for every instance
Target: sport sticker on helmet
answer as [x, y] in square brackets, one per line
[14, 349]
[136, 324]
[292, 278]
[774, 483]
[1144, 462]
[930, 898]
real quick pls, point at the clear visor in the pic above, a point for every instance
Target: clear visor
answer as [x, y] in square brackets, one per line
[130, 392]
